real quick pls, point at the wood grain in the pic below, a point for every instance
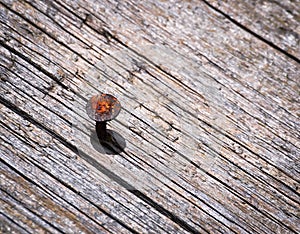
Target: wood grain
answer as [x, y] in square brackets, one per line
[209, 123]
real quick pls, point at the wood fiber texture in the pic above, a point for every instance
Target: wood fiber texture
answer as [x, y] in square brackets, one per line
[207, 140]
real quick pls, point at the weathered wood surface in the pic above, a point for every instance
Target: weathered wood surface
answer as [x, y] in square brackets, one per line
[210, 96]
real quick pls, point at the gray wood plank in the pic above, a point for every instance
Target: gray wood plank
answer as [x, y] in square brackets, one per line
[210, 118]
[276, 22]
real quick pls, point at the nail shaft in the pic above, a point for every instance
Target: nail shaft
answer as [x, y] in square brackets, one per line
[101, 130]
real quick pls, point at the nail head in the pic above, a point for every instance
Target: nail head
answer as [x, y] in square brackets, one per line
[103, 107]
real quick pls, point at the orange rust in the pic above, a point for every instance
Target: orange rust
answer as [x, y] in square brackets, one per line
[102, 106]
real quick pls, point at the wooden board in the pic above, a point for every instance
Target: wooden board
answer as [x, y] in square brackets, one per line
[209, 128]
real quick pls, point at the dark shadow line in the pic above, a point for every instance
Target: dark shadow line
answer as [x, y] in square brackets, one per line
[103, 170]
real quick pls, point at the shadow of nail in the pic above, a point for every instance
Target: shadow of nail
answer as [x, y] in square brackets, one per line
[112, 144]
